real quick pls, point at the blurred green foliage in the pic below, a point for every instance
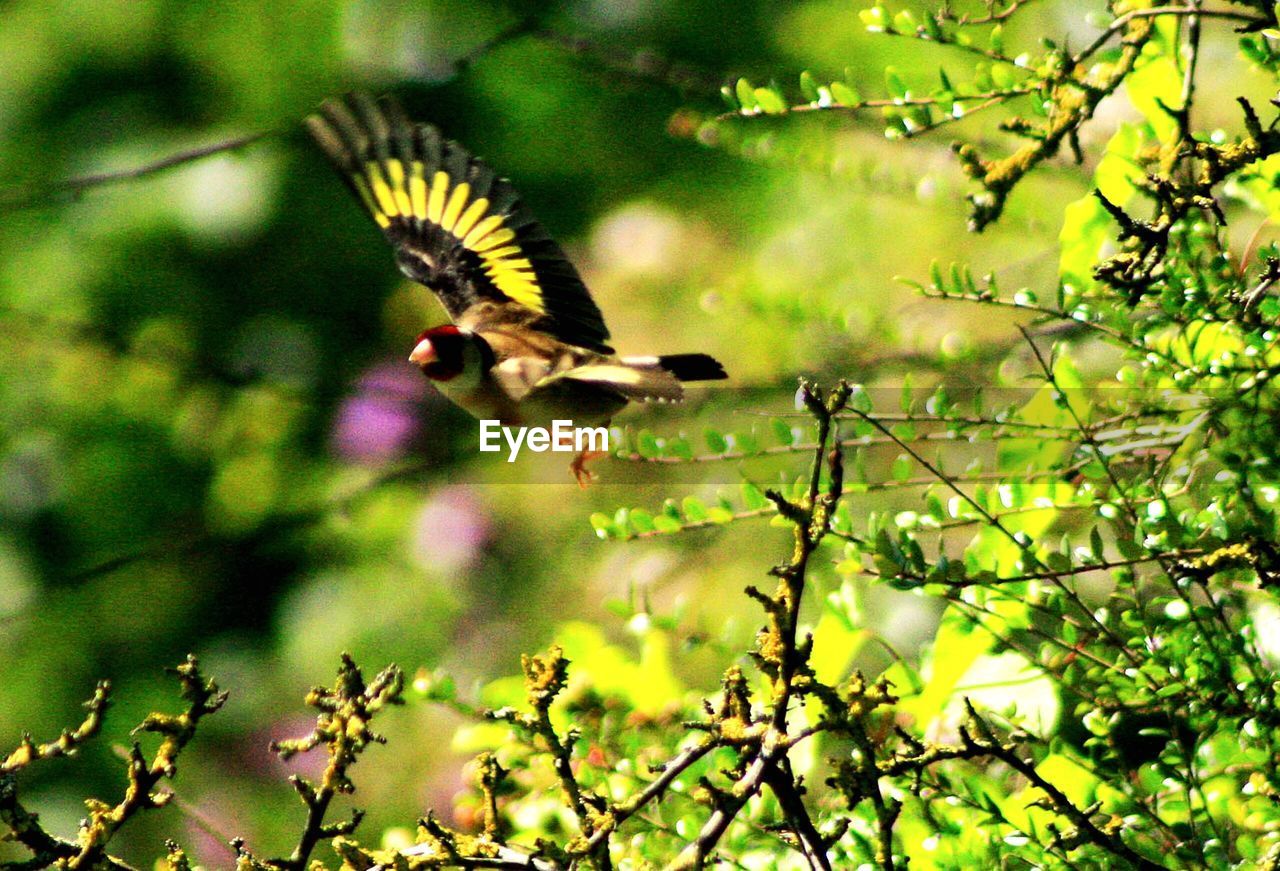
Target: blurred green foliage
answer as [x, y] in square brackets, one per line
[182, 353]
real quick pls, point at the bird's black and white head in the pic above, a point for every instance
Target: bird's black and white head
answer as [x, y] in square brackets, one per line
[448, 354]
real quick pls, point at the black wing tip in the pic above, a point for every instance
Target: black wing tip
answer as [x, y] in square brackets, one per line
[357, 127]
[693, 367]
[360, 122]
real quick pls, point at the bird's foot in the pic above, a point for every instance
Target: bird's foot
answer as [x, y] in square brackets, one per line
[579, 468]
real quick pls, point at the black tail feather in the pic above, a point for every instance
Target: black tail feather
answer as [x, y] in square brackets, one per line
[693, 367]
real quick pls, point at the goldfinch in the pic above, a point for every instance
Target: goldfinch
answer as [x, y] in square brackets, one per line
[527, 344]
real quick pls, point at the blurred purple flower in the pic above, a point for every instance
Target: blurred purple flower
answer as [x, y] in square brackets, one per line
[450, 530]
[258, 758]
[378, 422]
[206, 827]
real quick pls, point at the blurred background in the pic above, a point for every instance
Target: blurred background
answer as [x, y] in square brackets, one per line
[210, 440]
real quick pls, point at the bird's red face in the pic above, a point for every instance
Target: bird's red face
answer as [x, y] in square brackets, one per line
[440, 352]
[458, 357]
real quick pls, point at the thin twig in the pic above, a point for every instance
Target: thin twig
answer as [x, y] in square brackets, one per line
[1127, 18]
[29, 196]
[37, 194]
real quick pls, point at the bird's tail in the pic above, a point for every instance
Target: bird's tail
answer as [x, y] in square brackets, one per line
[685, 367]
[644, 379]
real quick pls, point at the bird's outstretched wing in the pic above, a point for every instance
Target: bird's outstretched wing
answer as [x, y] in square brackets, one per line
[456, 226]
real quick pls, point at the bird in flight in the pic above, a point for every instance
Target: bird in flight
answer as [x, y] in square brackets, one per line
[527, 344]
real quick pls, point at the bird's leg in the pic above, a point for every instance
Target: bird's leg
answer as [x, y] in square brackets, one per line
[579, 467]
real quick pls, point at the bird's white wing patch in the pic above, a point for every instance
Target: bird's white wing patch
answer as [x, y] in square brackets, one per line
[645, 384]
[518, 375]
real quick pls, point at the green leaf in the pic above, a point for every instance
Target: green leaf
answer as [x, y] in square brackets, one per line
[809, 86]
[902, 467]
[1130, 549]
[1155, 81]
[905, 431]
[641, 520]
[1077, 782]
[770, 101]
[933, 29]
[956, 647]
[437, 687]
[845, 95]
[719, 514]
[647, 445]
[982, 77]
[997, 39]
[667, 524]
[835, 644]
[753, 498]
[893, 82]
[604, 526]
[874, 19]
[746, 442]
[695, 510]
[782, 431]
[1086, 229]
[715, 440]
[1119, 172]
[679, 447]
[1004, 76]
[859, 399]
[935, 275]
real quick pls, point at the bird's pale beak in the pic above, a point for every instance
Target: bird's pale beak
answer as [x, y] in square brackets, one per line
[423, 353]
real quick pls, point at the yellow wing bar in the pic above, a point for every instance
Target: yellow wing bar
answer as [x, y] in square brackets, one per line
[390, 192]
